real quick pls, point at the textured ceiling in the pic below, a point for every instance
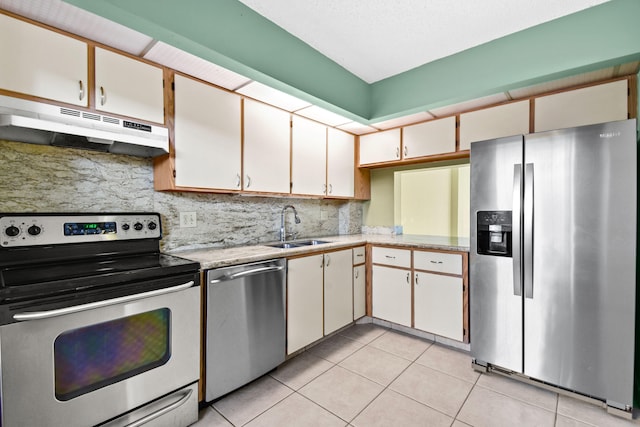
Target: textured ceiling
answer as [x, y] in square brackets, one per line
[376, 39]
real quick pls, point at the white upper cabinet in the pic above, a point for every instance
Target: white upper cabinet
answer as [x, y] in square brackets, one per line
[128, 87]
[309, 154]
[380, 147]
[429, 138]
[340, 163]
[595, 104]
[495, 122]
[42, 63]
[266, 148]
[207, 136]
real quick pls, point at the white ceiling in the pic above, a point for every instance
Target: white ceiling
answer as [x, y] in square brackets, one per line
[376, 39]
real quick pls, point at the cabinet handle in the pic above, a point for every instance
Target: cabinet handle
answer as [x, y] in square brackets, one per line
[390, 257]
[416, 280]
[436, 262]
[81, 90]
[328, 259]
[248, 181]
[406, 151]
[408, 277]
[398, 152]
[324, 188]
[237, 180]
[357, 274]
[359, 255]
[330, 188]
[103, 96]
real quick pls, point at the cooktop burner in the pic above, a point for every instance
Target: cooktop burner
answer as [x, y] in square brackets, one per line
[44, 256]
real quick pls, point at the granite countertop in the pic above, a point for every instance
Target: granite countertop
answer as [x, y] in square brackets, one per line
[222, 257]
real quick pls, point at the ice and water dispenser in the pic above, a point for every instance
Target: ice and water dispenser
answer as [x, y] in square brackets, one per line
[494, 233]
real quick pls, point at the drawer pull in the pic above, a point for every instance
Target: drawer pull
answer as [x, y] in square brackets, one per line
[390, 257]
[436, 262]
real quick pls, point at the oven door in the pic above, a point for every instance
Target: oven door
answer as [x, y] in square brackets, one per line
[85, 367]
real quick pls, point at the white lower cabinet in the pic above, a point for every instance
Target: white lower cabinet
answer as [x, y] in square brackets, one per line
[422, 289]
[359, 292]
[392, 294]
[304, 301]
[438, 304]
[338, 290]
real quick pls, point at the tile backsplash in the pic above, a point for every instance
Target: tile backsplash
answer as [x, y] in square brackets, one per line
[35, 178]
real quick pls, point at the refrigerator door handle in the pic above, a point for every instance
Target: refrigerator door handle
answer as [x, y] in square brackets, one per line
[528, 230]
[517, 238]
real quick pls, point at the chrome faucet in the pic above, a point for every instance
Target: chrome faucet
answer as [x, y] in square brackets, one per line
[283, 231]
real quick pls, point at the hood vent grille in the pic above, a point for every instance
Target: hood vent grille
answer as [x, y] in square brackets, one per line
[39, 123]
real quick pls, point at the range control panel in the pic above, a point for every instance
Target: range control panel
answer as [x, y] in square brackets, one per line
[49, 229]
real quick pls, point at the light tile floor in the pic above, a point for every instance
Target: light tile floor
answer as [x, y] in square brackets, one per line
[368, 375]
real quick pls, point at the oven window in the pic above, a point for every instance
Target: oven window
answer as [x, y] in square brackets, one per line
[95, 356]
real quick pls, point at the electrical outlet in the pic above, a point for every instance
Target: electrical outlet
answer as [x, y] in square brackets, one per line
[188, 219]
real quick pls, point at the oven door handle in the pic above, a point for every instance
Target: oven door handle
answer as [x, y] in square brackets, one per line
[37, 315]
[160, 412]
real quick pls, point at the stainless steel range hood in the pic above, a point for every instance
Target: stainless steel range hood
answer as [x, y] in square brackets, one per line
[39, 123]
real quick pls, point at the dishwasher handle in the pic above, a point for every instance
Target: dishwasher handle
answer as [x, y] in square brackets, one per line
[247, 273]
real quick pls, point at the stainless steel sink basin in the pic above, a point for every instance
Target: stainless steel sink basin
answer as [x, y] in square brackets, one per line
[284, 245]
[311, 242]
[297, 244]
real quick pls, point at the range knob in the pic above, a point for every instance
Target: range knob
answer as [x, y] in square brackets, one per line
[152, 225]
[137, 226]
[34, 230]
[12, 231]
[125, 227]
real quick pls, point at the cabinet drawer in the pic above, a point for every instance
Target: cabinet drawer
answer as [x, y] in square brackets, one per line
[437, 261]
[359, 256]
[390, 256]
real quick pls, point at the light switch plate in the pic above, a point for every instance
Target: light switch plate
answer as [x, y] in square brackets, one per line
[188, 219]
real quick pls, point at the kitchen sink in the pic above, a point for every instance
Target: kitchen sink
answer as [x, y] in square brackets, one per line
[297, 244]
[311, 242]
[284, 245]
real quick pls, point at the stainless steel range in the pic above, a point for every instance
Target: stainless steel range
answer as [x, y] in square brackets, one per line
[97, 327]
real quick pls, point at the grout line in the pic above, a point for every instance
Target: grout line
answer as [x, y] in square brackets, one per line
[475, 383]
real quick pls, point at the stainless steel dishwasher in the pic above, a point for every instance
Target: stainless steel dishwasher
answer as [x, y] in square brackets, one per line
[246, 331]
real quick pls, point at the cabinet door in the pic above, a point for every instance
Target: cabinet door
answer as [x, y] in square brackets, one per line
[207, 136]
[42, 63]
[128, 87]
[429, 138]
[266, 148]
[359, 292]
[438, 304]
[591, 105]
[309, 153]
[392, 294]
[338, 290]
[380, 147]
[304, 301]
[495, 122]
[340, 163]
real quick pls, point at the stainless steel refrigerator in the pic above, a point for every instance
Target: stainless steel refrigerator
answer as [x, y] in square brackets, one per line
[552, 274]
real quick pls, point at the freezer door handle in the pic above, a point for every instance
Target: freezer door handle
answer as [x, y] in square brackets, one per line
[516, 232]
[528, 230]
